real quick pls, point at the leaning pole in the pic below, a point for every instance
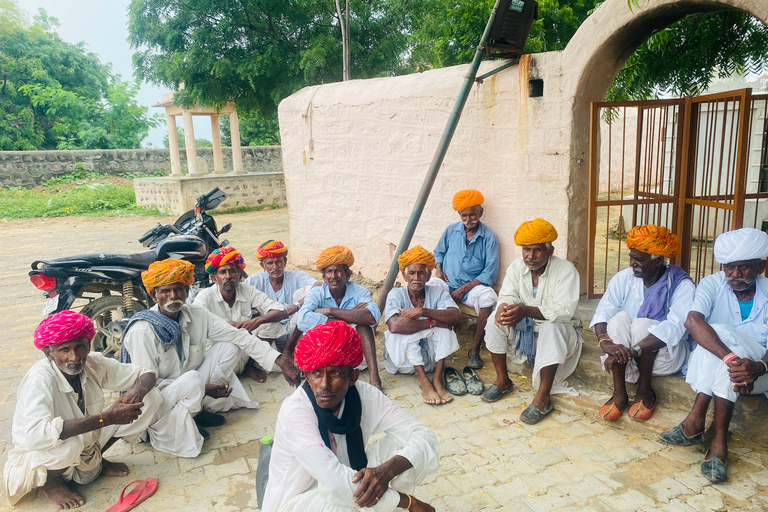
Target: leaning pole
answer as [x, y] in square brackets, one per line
[437, 160]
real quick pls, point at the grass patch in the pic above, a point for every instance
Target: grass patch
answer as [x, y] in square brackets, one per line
[274, 205]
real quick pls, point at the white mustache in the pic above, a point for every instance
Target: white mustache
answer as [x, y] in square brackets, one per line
[470, 224]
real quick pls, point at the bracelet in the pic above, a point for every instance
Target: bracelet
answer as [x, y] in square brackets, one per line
[430, 322]
[729, 357]
[101, 421]
[410, 500]
[600, 340]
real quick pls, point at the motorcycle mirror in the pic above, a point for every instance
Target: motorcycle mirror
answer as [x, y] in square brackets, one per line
[225, 228]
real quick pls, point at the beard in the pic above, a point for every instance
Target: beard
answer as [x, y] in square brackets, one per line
[73, 368]
[229, 284]
[739, 284]
[173, 306]
[470, 225]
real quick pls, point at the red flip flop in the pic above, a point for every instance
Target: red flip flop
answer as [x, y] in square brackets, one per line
[143, 490]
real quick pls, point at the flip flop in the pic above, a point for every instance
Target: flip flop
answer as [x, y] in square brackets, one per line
[610, 412]
[640, 412]
[474, 385]
[453, 381]
[143, 490]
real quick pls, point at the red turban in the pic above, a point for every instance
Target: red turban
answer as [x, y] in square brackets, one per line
[329, 344]
[63, 327]
[336, 255]
[467, 198]
[271, 249]
[655, 240]
[224, 256]
[165, 272]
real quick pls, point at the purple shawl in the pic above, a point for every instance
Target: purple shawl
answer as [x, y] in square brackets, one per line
[657, 298]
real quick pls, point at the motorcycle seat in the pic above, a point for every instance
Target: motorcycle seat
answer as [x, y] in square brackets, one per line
[140, 260]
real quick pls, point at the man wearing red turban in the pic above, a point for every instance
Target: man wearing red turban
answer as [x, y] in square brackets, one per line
[467, 264]
[61, 426]
[321, 458]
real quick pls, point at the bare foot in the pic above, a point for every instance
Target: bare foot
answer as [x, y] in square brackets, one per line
[429, 395]
[256, 374]
[60, 495]
[113, 468]
[444, 395]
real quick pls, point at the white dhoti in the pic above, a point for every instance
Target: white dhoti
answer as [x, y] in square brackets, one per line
[479, 297]
[27, 470]
[378, 453]
[424, 348]
[298, 295]
[624, 331]
[556, 343]
[270, 332]
[709, 375]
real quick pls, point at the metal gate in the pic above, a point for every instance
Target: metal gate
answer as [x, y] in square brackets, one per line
[696, 165]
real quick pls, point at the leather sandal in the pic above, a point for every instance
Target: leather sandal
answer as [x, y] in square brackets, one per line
[610, 412]
[714, 469]
[639, 412]
[453, 382]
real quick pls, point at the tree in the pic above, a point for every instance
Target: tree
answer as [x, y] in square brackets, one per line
[254, 130]
[199, 143]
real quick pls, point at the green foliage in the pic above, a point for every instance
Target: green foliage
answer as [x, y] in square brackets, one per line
[57, 95]
[199, 143]
[254, 130]
[274, 205]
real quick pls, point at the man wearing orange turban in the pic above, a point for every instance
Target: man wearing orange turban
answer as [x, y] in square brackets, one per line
[195, 354]
[420, 316]
[341, 299]
[467, 264]
[535, 320]
[640, 320]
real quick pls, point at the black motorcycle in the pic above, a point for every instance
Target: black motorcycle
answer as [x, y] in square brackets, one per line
[110, 284]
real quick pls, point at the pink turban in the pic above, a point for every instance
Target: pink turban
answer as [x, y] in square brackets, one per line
[329, 344]
[63, 327]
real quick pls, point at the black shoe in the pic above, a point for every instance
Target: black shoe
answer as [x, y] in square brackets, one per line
[209, 419]
[203, 432]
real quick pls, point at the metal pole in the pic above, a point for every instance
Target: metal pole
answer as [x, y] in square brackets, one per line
[437, 160]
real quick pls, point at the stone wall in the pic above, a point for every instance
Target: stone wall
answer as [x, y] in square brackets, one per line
[30, 168]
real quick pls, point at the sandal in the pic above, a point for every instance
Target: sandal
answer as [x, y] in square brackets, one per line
[474, 361]
[532, 415]
[143, 490]
[453, 381]
[639, 412]
[610, 412]
[714, 469]
[474, 385]
[676, 437]
[493, 393]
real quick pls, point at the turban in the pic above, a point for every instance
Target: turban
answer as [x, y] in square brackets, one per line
[536, 231]
[467, 198]
[271, 249]
[329, 344]
[63, 327]
[336, 255]
[224, 256]
[741, 245]
[654, 240]
[416, 256]
[165, 272]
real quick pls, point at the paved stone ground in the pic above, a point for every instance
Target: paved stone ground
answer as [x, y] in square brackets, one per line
[489, 461]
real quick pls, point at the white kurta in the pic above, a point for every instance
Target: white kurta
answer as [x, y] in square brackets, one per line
[479, 297]
[404, 351]
[294, 281]
[305, 475]
[45, 400]
[557, 339]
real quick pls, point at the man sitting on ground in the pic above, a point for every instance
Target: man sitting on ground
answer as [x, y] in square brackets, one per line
[60, 426]
[341, 299]
[535, 320]
[727, 320]
[288, 287]
[467, 264]
[321, 459]
[241, 305]
[420, 320]
[171, 339]
[639, 321]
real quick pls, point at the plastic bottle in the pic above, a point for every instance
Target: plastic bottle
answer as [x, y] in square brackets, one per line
[262, 470]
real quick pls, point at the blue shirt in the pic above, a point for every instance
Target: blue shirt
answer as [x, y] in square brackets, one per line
[464, 262]
[320, 297]
[293, 280]
[746, 308]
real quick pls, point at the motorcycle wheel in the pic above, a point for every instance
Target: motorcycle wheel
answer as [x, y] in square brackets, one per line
[103, 311]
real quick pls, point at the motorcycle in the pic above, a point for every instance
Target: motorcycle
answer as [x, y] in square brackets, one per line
[110, 284]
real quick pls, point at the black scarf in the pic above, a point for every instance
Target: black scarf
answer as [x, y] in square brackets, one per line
[348, 425]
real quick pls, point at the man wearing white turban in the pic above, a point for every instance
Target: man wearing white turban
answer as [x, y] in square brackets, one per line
[727, 320]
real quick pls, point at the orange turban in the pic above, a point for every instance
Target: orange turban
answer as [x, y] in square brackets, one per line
[165, 272]
[224, 256]
[654, 240]
[467, 198]
[271, 249]
[336, 255]
[536, 231]
[329, 344]
[416, 256]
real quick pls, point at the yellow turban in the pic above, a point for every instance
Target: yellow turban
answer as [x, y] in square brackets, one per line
[336, 255]
[416, 256]
[536, 231]
[653, 240]
[467, 198]
[165, 272]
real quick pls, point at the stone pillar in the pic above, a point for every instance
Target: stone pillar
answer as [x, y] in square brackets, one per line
[189, 142]
[237, 157]
[218, 161]
[173, 145]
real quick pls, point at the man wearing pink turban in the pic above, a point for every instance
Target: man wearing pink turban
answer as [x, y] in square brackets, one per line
[61, 426]
[321, 458]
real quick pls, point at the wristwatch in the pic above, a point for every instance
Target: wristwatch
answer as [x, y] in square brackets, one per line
[637, 349]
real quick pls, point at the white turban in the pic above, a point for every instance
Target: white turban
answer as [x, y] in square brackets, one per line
[741, 245]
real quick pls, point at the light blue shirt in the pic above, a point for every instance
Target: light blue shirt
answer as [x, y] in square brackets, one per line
[292, 281]
[320, 297]
[464, 262]
[716, 301]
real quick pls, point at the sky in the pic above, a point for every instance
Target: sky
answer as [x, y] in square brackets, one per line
[103, 26]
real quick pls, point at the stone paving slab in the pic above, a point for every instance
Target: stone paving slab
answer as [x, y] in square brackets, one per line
[489, 461]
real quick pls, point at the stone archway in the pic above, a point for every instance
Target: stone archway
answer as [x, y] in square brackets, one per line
[591, 61]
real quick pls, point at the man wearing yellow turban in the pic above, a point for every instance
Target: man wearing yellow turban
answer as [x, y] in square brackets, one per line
[467, 263]
[640, 320]
[535, 320]
[420, 320]
[194, 354]
[341, 299]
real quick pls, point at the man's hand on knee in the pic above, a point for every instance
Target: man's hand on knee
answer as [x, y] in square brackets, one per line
[218, 390]
[121, 414]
